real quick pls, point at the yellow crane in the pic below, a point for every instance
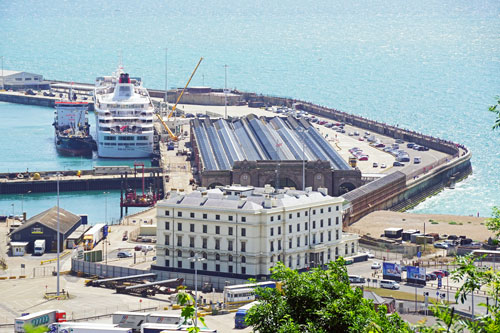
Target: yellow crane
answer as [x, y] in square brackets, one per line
[172, 135]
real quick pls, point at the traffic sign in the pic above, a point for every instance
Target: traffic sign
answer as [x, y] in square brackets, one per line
[419, 254]
[440, 281]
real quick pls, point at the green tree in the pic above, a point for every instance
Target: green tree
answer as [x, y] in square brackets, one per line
[493, 223]
[496, 109]
[188, 311]
[318, 301]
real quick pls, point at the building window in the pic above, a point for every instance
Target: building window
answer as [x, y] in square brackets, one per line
[230, 231]
[191, 227]
[243, 259]
[243, 270]
[279, 217]
[167, 263]
[205, 228]
[204, 255]
[305, 259]
[243, 247]
[167, 239]
[279, 257]
[337, 207]
[352, 247]
[167, 225]
[272, 218]
[179, 214]
[217, 256]
[179, 240]
[329, 254]
[298, 214]
[167, 252]
[229, 245]
[217, 217]
[272, 258]
[298, 259]
[179, 226]
[290, 245]
[290, 216]
[217, 267]
[337, 234]
[289, 261]
[272, 246]
[346, 249]
[191, 241]
[217, 230]
[336, 252]
[230, 268]
[191, 215]
[321, 223]
[191, 265]
[329, 221]
[298, 227]
[230, 217]
[337, 220]
[306, 226]
[329, 209]
[230, 258]
[205, 266]
[243, 219]
[179, 264]
[272, 231]
[290, 229]
[179, 254]
[314, 238]
[243, 232]
[314, 211]
[205, 240]
[321, 237]
[298, 241]
[217, 244]
[314, 224]
[205, 216]
[191, 254]
[329, 235]
[306, 213]
[306, 240]
[279, 230]
[279, 244]
[167, 213]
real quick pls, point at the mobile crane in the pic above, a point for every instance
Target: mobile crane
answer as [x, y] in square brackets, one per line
[172, 135]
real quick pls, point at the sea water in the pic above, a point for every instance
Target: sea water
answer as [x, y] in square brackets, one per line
[430, 66]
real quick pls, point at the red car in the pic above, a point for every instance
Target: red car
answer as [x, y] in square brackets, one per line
[439, 273]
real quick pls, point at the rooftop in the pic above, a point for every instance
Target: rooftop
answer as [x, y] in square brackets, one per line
[49, 219]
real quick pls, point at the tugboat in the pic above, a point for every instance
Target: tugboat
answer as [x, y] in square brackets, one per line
[72, 129]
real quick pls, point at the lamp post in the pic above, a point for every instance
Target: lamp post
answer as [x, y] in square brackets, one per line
[12, 210]
[195, 259]
[58, 227]
[22, 201]
[225, 91]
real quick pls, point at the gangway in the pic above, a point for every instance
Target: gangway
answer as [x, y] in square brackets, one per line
[112, 282]
[152, 288]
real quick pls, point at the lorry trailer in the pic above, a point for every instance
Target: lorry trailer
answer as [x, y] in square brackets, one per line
[164, 328]
[39, 247]
[84, 327]
[134, 320]
[41, 318]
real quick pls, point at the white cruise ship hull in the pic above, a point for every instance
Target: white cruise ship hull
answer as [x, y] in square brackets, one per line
[123, 152]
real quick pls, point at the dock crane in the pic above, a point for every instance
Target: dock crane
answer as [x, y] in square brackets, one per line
[172, 135]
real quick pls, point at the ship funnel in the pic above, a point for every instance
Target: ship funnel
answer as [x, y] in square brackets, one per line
[124, 78]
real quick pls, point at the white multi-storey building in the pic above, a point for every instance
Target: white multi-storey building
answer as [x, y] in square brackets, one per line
[244, 231]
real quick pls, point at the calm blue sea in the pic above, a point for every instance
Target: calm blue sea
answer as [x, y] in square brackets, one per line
[432, 66]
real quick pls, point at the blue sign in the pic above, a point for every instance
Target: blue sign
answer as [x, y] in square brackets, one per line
[419, 254]
[391, 271]
[440, 281]
[105, 231]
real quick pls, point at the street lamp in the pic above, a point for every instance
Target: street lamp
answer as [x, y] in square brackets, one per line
[58, 227]
[225, 91]
[195, 259]
[22, 201]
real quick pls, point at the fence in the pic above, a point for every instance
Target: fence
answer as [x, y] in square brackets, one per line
[27, 273]
[92, 268]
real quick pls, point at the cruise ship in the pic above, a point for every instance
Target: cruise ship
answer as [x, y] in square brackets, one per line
[124, 117]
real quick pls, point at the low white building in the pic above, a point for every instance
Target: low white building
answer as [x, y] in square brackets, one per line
[17, 80]
[244, 231]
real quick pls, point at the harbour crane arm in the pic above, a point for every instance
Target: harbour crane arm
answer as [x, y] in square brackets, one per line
[182, 93]
[172, 135]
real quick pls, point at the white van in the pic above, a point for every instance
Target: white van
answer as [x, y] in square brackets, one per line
[417, 159]
[389, 284]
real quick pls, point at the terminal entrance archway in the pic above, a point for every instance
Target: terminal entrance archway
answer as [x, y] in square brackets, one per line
[284, 182]
[346, 187]
[214, 185]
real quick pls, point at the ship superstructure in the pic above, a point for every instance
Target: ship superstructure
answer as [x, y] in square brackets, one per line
[72, 129]
[124, 117]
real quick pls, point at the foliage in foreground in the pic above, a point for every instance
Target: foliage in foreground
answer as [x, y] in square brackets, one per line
[319, 301]
[496, 109]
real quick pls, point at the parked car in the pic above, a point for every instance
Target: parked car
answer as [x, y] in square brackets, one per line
[124, 254]
[147, 248]
[430, 277]
[375, 164]
[389, 284]
[410, 145]
[439, 273]
[441, 245]
[399, 141]
[383, 166]
[376, 265]
[30, 92]
[445, 272]
[370, 255]
[154, 258]
[396, 163]
[138, 247]
[356, 279]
